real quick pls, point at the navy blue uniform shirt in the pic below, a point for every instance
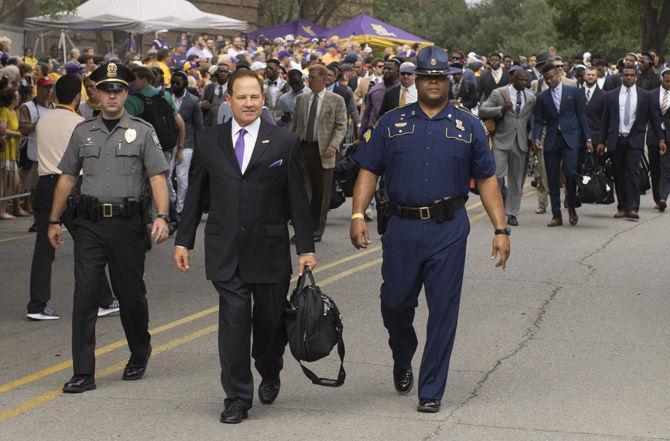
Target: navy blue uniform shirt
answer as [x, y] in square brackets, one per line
[425, 159]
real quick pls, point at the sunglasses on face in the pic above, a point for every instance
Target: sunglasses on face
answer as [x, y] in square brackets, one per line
[560, 66]
[406, 74]
[380, 66]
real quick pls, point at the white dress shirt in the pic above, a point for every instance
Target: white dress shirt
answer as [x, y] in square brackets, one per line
[513, 96]
[178, 100]
[249, 139]
[589, 91]
[661, 92]
[601, 82]
[319, 106]
[411, 94]
[497, 74]
[623, 128]
[556, 96]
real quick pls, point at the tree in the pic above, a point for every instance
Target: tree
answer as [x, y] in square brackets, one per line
[47, 7]
[654, 24]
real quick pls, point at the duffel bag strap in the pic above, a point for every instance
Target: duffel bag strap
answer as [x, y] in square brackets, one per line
[327, 381]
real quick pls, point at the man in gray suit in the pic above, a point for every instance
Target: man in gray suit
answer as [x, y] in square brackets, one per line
[188, 106]
[512, 105]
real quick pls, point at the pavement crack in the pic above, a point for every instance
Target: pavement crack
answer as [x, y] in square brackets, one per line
[529, 335]
[590, 267]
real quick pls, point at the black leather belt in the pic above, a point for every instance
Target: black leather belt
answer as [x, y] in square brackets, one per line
[111, 210]
[623, 135]
[440, 210]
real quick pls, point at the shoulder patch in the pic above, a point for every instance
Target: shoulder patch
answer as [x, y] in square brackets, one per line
[368, 135]
[154, 136]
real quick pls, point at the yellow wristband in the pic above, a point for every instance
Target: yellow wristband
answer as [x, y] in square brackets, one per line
[357, 216]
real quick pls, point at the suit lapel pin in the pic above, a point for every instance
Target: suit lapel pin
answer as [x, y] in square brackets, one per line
[265, 141]
[459, 125]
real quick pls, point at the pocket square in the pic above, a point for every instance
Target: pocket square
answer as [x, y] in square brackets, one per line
[277, 163]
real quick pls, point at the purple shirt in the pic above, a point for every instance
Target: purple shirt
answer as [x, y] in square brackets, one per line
[373, 104]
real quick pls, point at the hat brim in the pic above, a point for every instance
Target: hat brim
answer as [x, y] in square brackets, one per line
[437, 72]
[112, 85]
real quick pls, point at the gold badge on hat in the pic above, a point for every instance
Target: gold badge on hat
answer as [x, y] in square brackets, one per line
[111, 71]
[130, 135]
[433, 62]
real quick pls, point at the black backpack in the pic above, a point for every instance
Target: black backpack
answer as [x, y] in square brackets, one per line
[313, 327]
[158, 112]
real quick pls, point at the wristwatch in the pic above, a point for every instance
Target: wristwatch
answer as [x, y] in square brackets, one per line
[57, 222]
[163, 216]
[505, 230]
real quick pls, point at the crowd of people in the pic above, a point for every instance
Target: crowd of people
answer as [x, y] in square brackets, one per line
[113, 127]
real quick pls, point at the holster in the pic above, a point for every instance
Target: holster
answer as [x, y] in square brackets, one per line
[73, 204]
[443, 210]
[91, 208]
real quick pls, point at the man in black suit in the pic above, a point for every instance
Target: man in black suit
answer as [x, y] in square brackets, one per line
[402, 94]
[649, 78]
[493, 78]
[627, 111]
[659, 163]
[214, 94]
[606, 81]
[595, 105]
[463, 88]
[333, 85]
[254, 174]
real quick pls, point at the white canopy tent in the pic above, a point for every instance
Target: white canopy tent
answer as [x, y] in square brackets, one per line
[140, 16]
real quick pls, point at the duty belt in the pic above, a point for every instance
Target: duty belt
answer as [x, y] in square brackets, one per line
[440, 210]
[111, 210]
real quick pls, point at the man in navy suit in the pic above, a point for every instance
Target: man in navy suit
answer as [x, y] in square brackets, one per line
[255, 176]
[628, 108]
[659, 163]
[561, 110]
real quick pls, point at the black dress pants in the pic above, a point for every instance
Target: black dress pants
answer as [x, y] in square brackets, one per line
[237, 321]
[626, 180]
[655, 170]
[44, 253]
[119, 243]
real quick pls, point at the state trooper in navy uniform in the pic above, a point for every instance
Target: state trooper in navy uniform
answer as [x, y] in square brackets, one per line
[115, 153]
[428, 151]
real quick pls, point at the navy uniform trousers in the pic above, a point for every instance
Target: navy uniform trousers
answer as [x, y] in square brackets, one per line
[425, 254]
[120, 244]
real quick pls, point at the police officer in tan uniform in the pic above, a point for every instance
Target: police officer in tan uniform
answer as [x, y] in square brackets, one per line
[115, 153]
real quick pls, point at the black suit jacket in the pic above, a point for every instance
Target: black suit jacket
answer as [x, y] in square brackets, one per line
[246, 229]
[595, 109]
[391, 100]
[487, 83]
[611, 82]
[467, 93]
[653, 135]
[643, 114]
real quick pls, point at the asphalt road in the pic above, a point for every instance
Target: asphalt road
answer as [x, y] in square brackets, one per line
[570, 343]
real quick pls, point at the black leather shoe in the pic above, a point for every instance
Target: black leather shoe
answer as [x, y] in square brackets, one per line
[428, 406]
[79, 384]
[403, 380]
[268, 390]
[573, 218]
[555, 222]
[233, 415]
[134, 370]
[512, 222]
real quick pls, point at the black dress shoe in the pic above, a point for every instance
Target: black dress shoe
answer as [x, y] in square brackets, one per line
[233, 415]
[134, 370]
[79, 384]
[268, 390]
[428, 406]
[403, 380]
[512, 222]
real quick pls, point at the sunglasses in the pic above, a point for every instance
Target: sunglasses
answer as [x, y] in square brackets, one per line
[380, 66]
[406, 74]
[558, 65]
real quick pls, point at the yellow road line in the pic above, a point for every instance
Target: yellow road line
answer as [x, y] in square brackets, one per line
[118, 367]
[168, 326]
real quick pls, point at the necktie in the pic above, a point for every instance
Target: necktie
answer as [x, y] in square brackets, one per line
[518, 101]
[239, 147]
[626, 108]
[588, 95]
[664, 102]
[272, 83]
[219, 92]
[403, 96]
[557, 99]
[311, 119]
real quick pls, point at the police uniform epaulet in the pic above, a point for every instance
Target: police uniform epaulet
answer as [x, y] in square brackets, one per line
[466, 110]
[87, 120]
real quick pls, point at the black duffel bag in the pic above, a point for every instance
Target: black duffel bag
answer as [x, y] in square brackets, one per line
[643, 174]
[593, 187]
[346, 173]
[337, 197]
[313, 328]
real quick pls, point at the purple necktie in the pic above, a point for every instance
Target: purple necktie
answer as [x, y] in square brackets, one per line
[239, 147]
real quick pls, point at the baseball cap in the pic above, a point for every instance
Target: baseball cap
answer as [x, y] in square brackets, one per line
[283, 54]
[74, 67]
[289, 37]
[258, 65]
[45, 82]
